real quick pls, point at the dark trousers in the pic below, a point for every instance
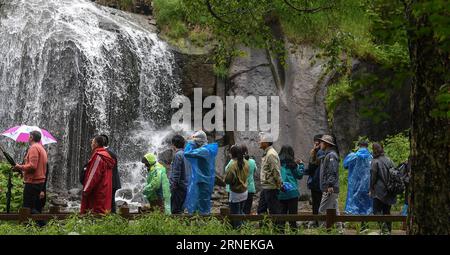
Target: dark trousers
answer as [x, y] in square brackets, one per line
[290, 206]
[237, 208]
[248, 203]
[316, 197]
[380, 208]
[113, 201]
[268, 201]
[177, 200]
[32, 200]
[31, 197]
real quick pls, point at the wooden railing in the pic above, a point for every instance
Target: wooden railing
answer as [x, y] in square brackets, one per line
[330, 218]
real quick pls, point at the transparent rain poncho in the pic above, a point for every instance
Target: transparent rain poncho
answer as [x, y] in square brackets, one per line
[358, 164]
[201, 184]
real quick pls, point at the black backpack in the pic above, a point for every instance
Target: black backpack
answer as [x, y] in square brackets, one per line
[395, 183]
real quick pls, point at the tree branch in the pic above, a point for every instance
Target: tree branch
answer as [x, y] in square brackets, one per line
[210, 9]
[309, 10]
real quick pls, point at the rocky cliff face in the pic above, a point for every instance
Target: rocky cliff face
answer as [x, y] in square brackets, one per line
[393, 108]
[302, 110]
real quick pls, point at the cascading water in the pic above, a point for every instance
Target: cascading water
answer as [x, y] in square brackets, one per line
[78, 69]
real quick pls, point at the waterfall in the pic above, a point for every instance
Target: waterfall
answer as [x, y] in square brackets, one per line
[78, 69]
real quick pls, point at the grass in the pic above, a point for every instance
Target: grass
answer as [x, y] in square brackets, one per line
[171, 19]
[149, 224]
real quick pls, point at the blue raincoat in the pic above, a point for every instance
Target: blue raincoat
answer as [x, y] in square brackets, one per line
[201, 184]
[358, 200]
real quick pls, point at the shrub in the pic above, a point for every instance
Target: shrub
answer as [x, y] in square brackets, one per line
[16, 192]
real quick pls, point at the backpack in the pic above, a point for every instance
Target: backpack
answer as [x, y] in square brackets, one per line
[395, 184]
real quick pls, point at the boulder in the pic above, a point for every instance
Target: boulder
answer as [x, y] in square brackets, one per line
[125, 194]
[75, 192]
[58, 202]
[120, 203]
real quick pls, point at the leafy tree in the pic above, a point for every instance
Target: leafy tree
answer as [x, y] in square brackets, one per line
[428, 31]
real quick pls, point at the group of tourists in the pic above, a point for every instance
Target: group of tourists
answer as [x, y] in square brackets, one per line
[188, 182]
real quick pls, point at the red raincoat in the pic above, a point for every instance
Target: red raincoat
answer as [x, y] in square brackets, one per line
[97, 185]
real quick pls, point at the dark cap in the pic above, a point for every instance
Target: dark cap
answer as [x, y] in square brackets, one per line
[317, 137]
[364, 143]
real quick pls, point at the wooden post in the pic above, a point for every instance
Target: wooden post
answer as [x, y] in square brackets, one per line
[225, 212]
[331, 217]
[54, 210]
[24, 214]
[124, 211]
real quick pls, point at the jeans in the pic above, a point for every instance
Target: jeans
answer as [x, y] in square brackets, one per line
[237, 208]
[177, 200]
[290, 206]
[380, 208]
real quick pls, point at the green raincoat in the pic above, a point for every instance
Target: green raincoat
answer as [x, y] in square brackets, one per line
[158, 186]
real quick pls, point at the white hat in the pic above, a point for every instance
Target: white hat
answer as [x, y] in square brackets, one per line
[200, 137]
[265, 137]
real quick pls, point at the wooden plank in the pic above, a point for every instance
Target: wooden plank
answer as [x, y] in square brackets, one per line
[330, 218]
[355, 218]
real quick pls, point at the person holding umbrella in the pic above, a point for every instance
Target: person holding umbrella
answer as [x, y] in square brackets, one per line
[34, 173]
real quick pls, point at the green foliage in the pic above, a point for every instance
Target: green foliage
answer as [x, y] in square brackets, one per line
[16, 192]
[150, 224]
[336, 93]
[378, 33]
[168, 12]
[381, 40]
[343, 186]
[254, 23]
[125, 4]
[397, 147]
[443, 102]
